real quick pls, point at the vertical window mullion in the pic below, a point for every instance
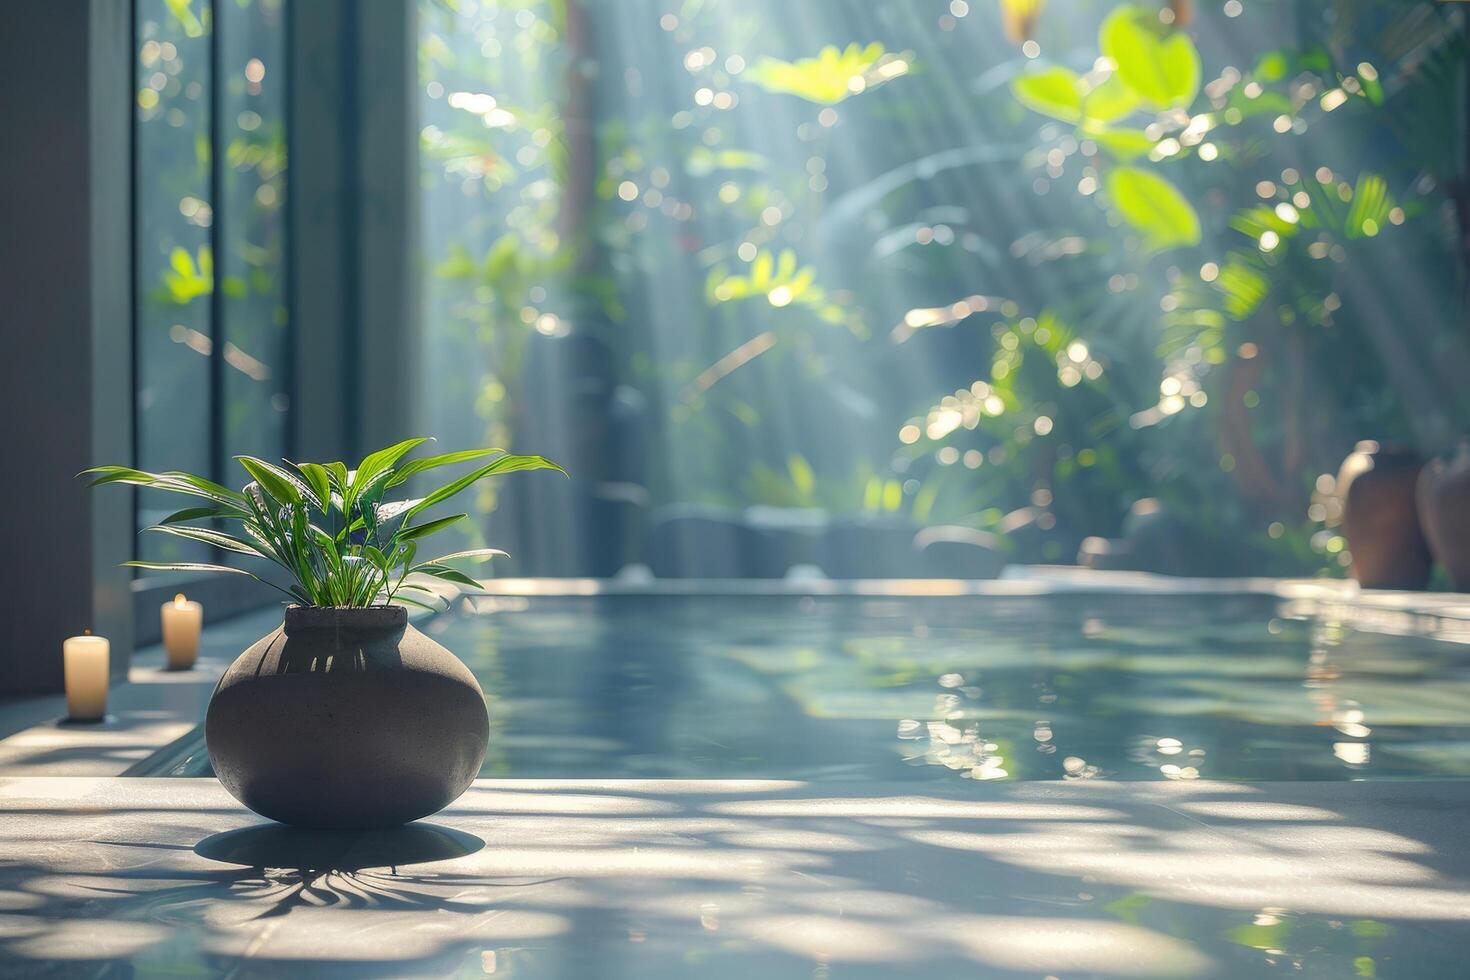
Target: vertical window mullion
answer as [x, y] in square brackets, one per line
[217, 96]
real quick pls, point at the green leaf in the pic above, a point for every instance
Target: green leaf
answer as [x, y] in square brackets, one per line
[379, 560]
[195, 513]
[428, 527]
[217, 538]
[1162, 66]
[316, 477]
[827, 79]
[194, 566]
[1242, 287]
[338, 473]
[447, 574]
[403, 600]
[1154, 207]
[1054, 92]
[1110, 101]
[1123, 144]
[505, 464]
[172, 482]
[431, 462]
[282, 486]
[478, 554]
[119, 474]
[381, 461]
[1368, 214]
[206, 487]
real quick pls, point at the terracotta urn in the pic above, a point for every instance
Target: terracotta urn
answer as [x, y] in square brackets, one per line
[1377, 486]
[1444, 512]
[346, 719]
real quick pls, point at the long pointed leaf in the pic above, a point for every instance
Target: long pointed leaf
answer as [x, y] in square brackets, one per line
[170, 482]
[478, 554]
[505, 464]
[282, 486]
[383, 459]
[447, 459]
[314, 475]
[447, 574]
[195, 513]
[428, 527]
[217, 538]
[194, 566]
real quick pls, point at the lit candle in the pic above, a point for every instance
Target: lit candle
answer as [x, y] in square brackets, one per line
[85, 661]
[182, 620]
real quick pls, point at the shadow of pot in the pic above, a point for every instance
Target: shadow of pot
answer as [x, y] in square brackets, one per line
[346, 719]
[276, 846]
[1444, 512]
[1380, 517]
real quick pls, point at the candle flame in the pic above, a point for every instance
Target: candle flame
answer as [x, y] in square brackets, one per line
[179, 599]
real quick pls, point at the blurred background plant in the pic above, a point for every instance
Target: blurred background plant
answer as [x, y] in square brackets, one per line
[1003, 264]
[875, 258]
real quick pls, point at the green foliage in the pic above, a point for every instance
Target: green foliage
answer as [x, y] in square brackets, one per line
[1055, 92]
[1155, 207]
[1063, 94]
[833, 75]
[780, 281]
[1159, 64]
[185, 280]
[1124, 144]
[862, 491]
[330, 528]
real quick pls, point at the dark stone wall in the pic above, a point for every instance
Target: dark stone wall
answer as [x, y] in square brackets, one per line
[65, 331]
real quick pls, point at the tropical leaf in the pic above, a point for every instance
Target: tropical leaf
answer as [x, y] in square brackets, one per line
[478, 554]
[196, 513]
[416, 466]
[320, 482]
[194, 566]
[833, 75]
[1054, 92]
[1162, 66]
[428, 527]
[1123, 144]
[381, 461]
[447, 574]
[505, 464]
[1109, 101]
[325, 525]
[217, 538]
[1154, 207]
[275, 481]
[1243, 287]
[1370, 207]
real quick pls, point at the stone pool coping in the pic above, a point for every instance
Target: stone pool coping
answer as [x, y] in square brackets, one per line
[666, 878]
[156, 707]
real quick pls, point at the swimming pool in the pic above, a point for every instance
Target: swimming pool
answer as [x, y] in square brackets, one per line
[1101, 686]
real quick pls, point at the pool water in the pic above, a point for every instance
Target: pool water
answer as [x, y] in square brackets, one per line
[1079, 686]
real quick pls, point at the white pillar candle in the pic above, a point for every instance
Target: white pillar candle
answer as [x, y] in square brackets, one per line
[182, 621]
[85, 663]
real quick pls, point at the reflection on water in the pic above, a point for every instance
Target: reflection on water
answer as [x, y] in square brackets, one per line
[1074, 687]
[947, 688]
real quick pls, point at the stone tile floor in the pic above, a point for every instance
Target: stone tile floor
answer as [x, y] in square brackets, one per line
[154, 877]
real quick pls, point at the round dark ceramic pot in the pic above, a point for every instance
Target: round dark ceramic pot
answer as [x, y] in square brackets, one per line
[1444, 510]
[1380, 517]
[346, 719]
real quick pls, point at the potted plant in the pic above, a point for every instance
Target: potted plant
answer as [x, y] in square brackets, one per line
[345, 716]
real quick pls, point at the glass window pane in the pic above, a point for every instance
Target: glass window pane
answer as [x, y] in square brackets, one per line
[174, 256]
[252, 233]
